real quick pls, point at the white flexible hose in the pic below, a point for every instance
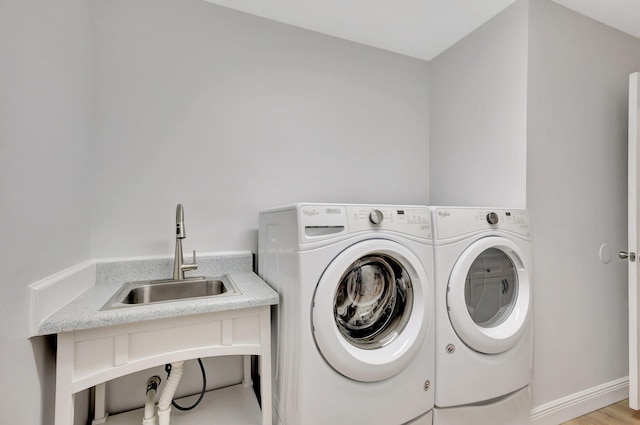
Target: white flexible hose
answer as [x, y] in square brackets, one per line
[169, 390]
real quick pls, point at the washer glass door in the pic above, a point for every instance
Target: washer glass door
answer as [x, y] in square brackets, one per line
[373, 301]
[369, 313]
[488, 296]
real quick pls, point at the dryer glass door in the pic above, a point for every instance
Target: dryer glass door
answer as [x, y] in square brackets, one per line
[488, 296]
[491, 288]
[371, 309]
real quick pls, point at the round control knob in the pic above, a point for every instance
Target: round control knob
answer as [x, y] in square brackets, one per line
[376, 216]
[492, 218]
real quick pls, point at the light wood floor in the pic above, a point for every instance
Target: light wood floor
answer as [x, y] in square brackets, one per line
[616, 414]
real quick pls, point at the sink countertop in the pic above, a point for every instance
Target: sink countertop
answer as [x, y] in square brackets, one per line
[83, 312]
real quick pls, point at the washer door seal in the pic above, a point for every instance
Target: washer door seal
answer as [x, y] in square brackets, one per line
[491, 275]
[370, 310]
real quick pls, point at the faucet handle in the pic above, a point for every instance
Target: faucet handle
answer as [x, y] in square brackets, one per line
[192, 266]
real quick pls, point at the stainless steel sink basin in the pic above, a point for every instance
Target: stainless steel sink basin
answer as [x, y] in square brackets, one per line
[162, 291]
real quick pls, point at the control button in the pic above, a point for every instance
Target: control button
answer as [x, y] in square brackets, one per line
[492, 218]
[375, 216]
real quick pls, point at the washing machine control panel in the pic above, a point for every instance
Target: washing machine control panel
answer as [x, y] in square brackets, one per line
[320, 221]
[408, 220]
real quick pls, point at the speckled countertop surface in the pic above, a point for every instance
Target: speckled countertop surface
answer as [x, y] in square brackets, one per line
[83, 312]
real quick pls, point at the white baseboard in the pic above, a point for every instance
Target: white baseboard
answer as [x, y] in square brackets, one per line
[581, 403]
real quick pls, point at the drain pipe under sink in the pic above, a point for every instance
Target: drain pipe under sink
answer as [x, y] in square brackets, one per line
[150, 417]
[169, 390]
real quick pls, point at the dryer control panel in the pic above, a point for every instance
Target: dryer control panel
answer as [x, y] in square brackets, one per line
[452, 222]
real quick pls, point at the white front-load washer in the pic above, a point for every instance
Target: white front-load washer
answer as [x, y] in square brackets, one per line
[352, 337]
[482, 260]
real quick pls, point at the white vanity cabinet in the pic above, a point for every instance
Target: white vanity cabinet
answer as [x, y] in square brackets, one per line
[90, 357]
[95, 345]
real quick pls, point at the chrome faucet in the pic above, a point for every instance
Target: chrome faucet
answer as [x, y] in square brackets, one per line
[179, 267]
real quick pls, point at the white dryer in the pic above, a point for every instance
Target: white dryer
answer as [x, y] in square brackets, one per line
[353, 335]
[482, 260]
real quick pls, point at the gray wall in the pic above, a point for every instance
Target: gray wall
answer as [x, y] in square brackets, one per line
[229, 114]
[576, 193]
[111, 112]
[478, 111]
[45, 181]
